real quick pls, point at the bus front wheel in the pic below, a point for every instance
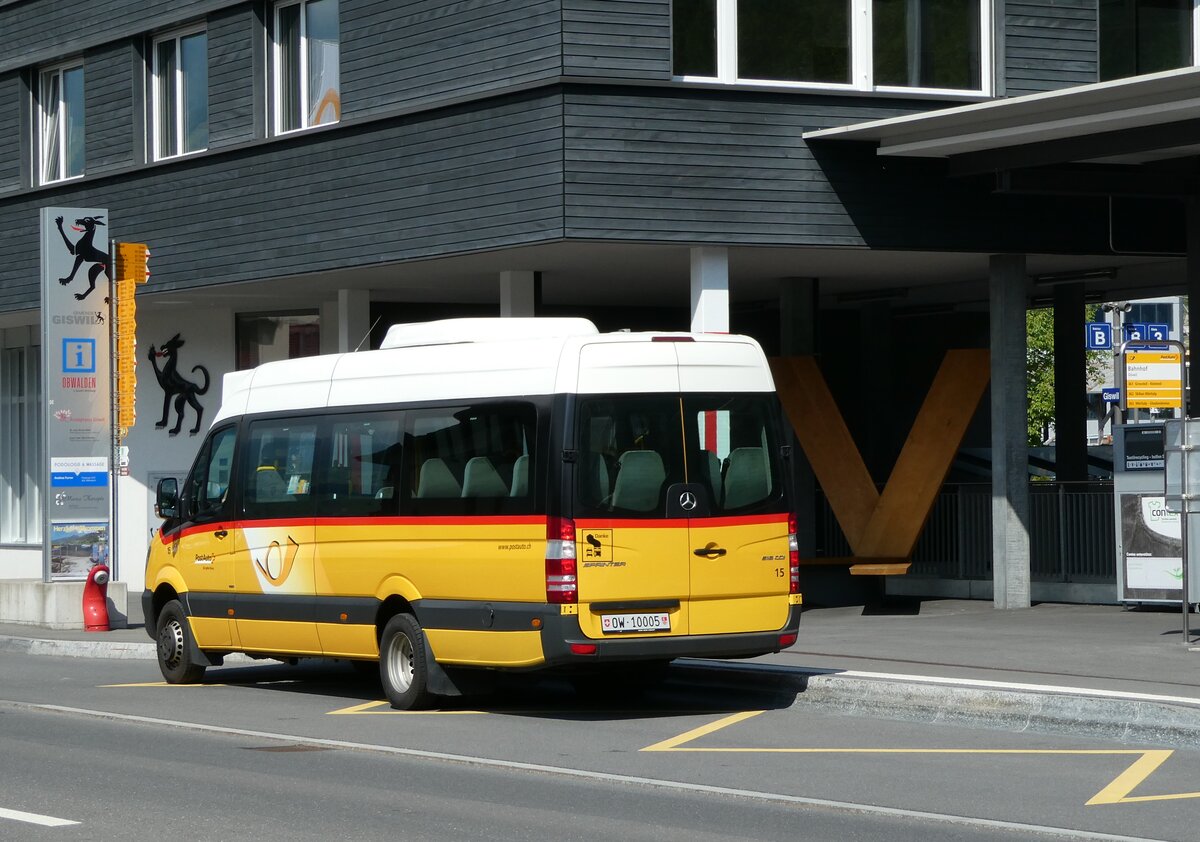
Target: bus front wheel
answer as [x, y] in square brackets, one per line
[403, 670]
[175, 646]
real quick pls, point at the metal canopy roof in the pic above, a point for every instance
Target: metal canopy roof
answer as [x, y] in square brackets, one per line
[1125, 121]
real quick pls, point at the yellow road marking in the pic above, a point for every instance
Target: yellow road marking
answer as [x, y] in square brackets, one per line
[1117, 792]
[674, 743]
[158, 684]
[370, 708]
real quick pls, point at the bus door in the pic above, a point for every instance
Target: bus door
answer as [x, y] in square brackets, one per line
[633, 561]
[738, 529]
[274, 568]
[203, 544]
[357, 497]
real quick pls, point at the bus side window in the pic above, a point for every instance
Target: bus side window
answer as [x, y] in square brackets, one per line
[362, 468]
[205, 491]
[471, 460]
[277, 471]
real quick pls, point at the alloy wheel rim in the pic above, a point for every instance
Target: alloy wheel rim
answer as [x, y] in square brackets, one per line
[400, 663]
[170, 644]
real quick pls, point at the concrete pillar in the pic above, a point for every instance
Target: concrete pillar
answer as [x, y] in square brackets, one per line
[710, 289]
[798, 338]
[329, 330]
[1010, 457]
[353, 319]
[519, 293]
[1070, 385]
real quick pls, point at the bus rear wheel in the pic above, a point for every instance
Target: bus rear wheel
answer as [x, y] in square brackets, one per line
[403, 670]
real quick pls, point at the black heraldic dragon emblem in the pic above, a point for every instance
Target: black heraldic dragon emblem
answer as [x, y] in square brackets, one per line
[176, 385]
[85, 251]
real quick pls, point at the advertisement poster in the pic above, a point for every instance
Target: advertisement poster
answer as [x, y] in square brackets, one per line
[77, 547]
[1153, 558]
[77, 384]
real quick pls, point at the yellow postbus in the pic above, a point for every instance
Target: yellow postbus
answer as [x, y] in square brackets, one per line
[484, 494]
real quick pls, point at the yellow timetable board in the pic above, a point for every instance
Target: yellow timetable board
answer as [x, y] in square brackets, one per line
[1153, 379]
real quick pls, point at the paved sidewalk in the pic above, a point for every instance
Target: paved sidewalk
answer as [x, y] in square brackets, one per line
[1101, 670]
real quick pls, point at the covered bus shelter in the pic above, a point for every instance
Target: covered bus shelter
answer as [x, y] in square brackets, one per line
[1133, 141]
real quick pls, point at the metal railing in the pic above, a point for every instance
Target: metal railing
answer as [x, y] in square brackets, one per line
[1071, 533]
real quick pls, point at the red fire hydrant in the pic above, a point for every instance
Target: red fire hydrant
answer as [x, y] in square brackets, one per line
[95, 599]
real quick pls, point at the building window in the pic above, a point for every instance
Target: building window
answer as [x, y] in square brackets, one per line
[1151, 313]
[929, 45]
[267, 337]
[60, 97]
[926, 43]
[307, 87]
[21, 450]
[794, 42]
[1144, 36]
[180, 94]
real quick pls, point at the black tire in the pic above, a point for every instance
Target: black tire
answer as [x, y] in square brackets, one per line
[403, 671]
[175, 646]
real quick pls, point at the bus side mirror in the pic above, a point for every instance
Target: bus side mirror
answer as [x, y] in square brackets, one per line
[166, 498]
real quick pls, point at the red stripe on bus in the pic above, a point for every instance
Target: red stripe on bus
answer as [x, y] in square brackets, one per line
[658, 523]
[426, 520]
[482, 520]
[436, 520]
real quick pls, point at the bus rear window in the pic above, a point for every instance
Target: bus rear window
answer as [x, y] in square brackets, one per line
[632, 448]
[630, 451]
[736, 441]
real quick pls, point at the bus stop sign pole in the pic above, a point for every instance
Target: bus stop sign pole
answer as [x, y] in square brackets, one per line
[1181, 493]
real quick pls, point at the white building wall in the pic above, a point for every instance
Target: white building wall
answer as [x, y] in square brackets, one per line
[208, 337]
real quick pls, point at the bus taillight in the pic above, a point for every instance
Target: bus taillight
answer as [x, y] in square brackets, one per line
[793, 554]
[561, 583]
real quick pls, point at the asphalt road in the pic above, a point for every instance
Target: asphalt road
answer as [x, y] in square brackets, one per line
[309, 752]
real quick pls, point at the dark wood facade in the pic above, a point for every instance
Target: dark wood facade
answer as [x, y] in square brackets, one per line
[485, 124]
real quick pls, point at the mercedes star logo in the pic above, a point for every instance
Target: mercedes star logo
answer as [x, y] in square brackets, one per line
[687, 500]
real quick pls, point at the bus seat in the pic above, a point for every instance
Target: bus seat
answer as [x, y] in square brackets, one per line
[594, 485]
[746, 479]
[269, 486]
[480, 479]
[435, 480]
[520, 478]
[713, 463]
[640, 476]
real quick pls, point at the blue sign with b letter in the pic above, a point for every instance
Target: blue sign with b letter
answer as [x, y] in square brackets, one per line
[1135, 332]
[1099, 336]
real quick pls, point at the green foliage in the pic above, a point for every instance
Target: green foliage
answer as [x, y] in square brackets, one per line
[1039, 372]
[1039, 369]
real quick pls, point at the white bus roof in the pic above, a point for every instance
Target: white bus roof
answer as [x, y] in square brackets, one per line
[503, 357]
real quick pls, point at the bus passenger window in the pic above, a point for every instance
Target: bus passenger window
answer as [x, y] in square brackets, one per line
[471, 460]
[278, 470]
[363, 466]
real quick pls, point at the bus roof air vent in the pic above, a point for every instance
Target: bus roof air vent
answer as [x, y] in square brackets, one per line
[457, 331]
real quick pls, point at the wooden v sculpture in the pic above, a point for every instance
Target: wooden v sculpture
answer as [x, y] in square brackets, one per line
[882, 529]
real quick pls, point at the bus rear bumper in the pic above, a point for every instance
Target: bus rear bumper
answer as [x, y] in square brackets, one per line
[564, 644]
